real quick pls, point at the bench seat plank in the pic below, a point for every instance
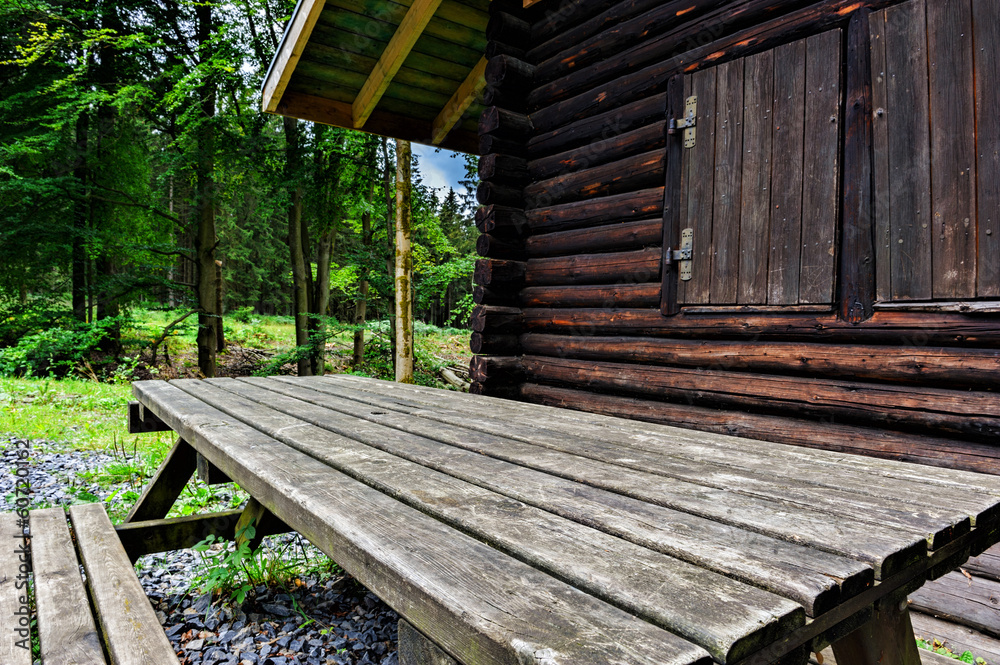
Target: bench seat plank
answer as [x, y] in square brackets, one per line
[10, 594]
[480, 605]
[66, 630]
[805, 575]
[131, 631]
[728, 618]
[886, 480]
[938, 525]
[886, 549]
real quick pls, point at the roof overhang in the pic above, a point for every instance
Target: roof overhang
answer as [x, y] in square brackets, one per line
[408, 69]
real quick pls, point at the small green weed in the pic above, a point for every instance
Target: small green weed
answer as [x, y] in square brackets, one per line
[937, 647]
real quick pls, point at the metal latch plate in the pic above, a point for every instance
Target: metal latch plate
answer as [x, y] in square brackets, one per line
[686, 253]
[690, 121]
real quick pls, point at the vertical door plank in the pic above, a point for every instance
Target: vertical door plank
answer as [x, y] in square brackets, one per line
[700, 189]
[909, 150]
[880, 164]
[821, 168]
[684, 214]
[728, 182]
[986, 27]
[755, 216]
[669, 304]
[953, 148]
[786, 173]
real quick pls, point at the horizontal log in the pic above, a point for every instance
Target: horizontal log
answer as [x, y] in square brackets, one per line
[953, 412]
[492, 193]
[501, 219]
[566, 38]
[604, 296]
[177, 533]
[482, 295]
[630, 267]
[934, 366]
[491, 389]
[504, 169]
[494, 49]
[883, 328]
[508, 29]
[488, 144]
[875, 442]
[626, 175]
[594, 212]
[505, 124]
[499, 248]
[565, 15]
[506, 72]
[613, 237]
[494, 345]
[658, 18]
[600, 151]
[494, 320]
[496, 368]
[508, 98]
[554, 135]
[494, 272]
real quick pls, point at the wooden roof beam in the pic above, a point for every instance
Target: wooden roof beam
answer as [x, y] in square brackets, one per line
[409, 30]
[289, 51]
[459, 102]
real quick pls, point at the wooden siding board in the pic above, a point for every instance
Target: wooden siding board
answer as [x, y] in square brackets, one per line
[755, 218]
[699, 188]
[821, 168]
[986, 31]
[909, 150]
[786, 178]
[880, 162]
[728, 182]
[953, 148]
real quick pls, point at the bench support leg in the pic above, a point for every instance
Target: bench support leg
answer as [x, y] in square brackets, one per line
[415, 649]
[263, 521]
[885, 640]
[168, 483]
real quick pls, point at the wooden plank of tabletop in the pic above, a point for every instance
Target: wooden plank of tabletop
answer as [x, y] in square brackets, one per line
[12, 592]
[478, 604]
[877, 477]
[66, 629]
[727, 618]
[805, 575]
[938, 525]
[131, 630]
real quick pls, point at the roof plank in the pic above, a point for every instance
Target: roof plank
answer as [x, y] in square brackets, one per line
[459, 102]
[416, 19]
[292, 44]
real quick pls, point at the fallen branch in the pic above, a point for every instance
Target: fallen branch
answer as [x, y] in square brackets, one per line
[453, 379]
[166, 332]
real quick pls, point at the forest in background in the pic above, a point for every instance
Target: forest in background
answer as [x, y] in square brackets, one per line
[137, 173]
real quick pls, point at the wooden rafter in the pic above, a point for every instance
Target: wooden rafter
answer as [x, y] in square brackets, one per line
[292, 45]
[413, 24]
[459, 102]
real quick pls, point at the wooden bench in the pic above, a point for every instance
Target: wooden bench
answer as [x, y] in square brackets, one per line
[114, 623]
[506, 532]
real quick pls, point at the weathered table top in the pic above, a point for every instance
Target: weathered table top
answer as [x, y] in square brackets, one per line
[510, 532]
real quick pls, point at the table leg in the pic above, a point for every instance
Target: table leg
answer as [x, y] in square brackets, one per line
[885, 640]
[415, 649]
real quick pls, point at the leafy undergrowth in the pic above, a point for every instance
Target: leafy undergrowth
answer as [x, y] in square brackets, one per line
[938, 647]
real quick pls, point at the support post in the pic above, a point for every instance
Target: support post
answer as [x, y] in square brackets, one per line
[404, 266]
[885, 640]
[168, 483]
[415, 649]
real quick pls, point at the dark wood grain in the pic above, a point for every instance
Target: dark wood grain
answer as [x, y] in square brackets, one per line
[728, 177]
[986, 26]
[880, 157]
[909, 150]
[600, 150]
[961, 600]
[820, 168]
[755, 213]
[786, 174]
[620, 207]
[673, 201]
[625, 175]
[645, 110]
[627, 267]
[698, 187]
[608, 296]
[415, 649]
[613, 237]
[953, 148]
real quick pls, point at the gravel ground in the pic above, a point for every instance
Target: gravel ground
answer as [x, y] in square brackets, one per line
[348, 624]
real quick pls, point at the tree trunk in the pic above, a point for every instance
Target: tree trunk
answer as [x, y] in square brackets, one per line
[81, 214]
[404, 267]
[220, 334]
[205, 238]
[300, 271]
[389, 259]
[321, 299]
[361, 304]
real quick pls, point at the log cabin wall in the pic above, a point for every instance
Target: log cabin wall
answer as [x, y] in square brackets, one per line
[841, 197]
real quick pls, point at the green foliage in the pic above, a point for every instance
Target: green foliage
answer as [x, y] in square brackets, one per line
[937, 647]
[231, 570]
[55, 351]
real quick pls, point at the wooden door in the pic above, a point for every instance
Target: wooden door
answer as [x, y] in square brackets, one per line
[936, 94]
[760, 187]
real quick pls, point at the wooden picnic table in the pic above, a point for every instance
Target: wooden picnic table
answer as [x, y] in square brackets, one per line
[515, 533]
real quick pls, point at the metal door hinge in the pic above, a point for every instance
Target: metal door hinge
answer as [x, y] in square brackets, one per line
[683, 255]
[688, 123]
